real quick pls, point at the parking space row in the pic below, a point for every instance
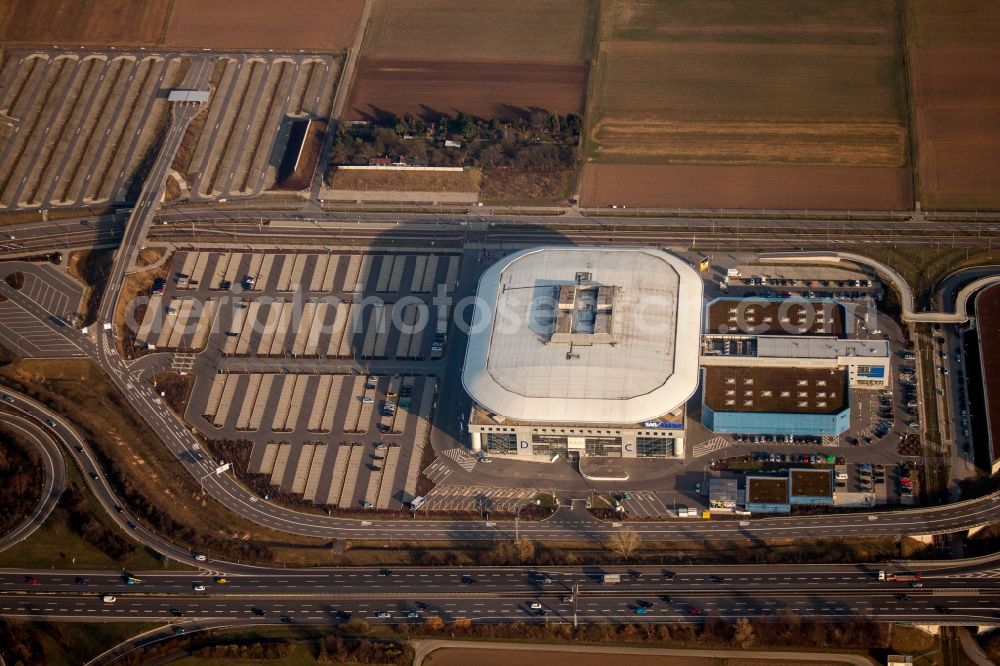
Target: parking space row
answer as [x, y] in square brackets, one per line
[315, 273]
[316, 403]
[291, 328]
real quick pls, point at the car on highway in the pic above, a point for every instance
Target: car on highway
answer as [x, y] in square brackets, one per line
[79, 449]
[80, 580]
[383, 615]
[177, 612]
[648, 605]
[639, 610]
[694, 610]
[50, 423]
[944, 610]
[668, 575]
[197, 587]
[286, 619]
[535, 605]
[468, 580]
[384, 572]
[221, 580]
[119, 509]
[31, 580]
[94, 476]
[108, 599]
[200, 557]
[7, 398]
[259, 612]
[412, 615]
[132, 580]
[179, 629]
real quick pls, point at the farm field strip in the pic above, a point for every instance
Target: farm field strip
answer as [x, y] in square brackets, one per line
[954, 60]
[728, 91]
[485, 89]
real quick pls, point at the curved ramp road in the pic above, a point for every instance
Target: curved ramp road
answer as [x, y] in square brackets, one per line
[53, 469]
[566, 524]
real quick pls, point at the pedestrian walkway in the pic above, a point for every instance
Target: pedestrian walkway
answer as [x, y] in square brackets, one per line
[710, 446]
[462, 457]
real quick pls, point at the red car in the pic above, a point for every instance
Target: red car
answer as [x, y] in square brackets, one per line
[31, 580]
[694, 610]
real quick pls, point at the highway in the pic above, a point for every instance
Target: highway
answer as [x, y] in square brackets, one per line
[53, 471]
[219, 223]
[948, 594]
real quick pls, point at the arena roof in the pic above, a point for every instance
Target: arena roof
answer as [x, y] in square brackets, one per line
[585, 335]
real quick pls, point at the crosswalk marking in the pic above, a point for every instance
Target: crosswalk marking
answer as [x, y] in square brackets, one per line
[462, 457]
[710, 446]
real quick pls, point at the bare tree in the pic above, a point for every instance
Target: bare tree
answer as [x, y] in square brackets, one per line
[744, 635]
[625, 542]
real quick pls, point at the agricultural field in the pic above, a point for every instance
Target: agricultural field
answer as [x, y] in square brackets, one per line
[705, 186]
[556, 31]
[955, 73]
[804, 86]
[264, 24]
[95, 22]
[441, 56]
[484, 89]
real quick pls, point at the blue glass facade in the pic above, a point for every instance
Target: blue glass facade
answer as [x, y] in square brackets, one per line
[766, 423]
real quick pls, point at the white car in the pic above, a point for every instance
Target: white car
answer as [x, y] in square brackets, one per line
[535, 606]
[384, 615]
[198, 587]
[108, 599]
[200, 557]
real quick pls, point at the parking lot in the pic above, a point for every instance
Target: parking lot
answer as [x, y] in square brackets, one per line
[80, 121]
[325, 428]
[302, 305]
[37, 320]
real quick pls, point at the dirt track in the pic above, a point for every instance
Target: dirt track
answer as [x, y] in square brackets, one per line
[683, 186]
[430, 88]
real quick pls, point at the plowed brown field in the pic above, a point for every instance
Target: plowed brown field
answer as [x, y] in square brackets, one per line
[264, 24]
[774, 187]
[955, 73]
[485, 89]
[96, 22]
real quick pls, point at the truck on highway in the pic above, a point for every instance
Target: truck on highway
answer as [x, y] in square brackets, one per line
[914, 577]
[610, 578]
